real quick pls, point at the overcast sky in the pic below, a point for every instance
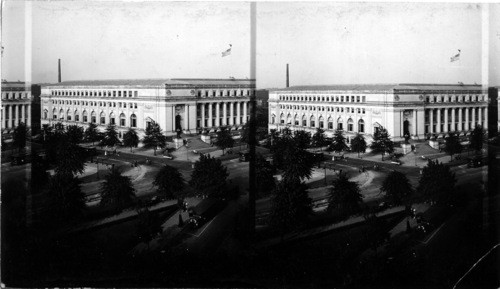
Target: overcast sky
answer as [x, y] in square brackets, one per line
[324, 43]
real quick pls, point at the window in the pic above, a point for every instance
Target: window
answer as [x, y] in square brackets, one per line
[133, 121]
[313, 122]
[361, 125]
[84, 116]
[93, 117]
[321, 122]
[350, 125]
[135, 105]
[112, 118]
[340, 124]
[102, 118]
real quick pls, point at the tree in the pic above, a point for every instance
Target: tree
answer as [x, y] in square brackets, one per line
[169, 182]
[110, 137]
[224, 139]
[131, 139]
[39, 175]
[298, 164]
[345, 197]
[358, 144]
[264, 172]
[74, 133]
[209, 176]
[70, 158]
[436, 183]
[291, 206]
[381, 142]
[19, 137]
[302, 139]
[66, 198]
[117, 191]
[397, 188]
[338, 142]
[452, 145]
[477, 138]
[91, 133]
[318, 138]
[154, 137]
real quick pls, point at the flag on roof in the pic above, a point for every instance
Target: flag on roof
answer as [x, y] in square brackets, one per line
[456, 57]
[228, 51]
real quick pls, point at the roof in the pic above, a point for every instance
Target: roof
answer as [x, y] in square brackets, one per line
[154, 82]
[382, 87]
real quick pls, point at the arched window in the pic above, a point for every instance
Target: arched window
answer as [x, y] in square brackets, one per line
[93, 117]
[330, 123]
[61, 114]
[313, 121]
[282, 118]
[102, 118]
[321, 122]
[112, 119]
[77, 116]
[304, 120]
[122, 119]
[45, 114]
[84, 116]
[296, 120]
[133, 121]
[68, 115]
[289, 119]
[340, 124]
[361, 125]
[350, 124]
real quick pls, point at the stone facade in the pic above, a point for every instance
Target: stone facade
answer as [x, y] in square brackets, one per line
[189, 105]
[16, 106]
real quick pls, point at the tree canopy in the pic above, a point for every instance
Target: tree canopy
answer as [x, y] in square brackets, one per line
[302, 139]
[110, 137]
[382, 142]
[70, 158]
[318, 138]
[66, 198]
[19, 137]
[436, 183]
[358, 144]
[169, 182]
[345, 197]
[154, 137]
[91, 133]
[224, 139]
[338, 142]
[130, 139]
[477, 138]
[209, 176]
[264, 172]
[397, 188]
[291, 206]
[452, 144]
[117, 190]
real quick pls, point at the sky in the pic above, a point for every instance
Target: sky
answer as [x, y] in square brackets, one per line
[323, 42]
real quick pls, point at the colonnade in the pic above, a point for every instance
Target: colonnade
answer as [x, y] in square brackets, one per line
[443, 120]
[226, 113]
[13, 114]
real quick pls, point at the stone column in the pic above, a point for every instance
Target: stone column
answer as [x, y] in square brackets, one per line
[238, 113]
[16, 119]
[414, 123]
[480, 116]
[3, 116]
[231, 114]
[466, 128]
[473, 118]
[217, 114]
[460, 126]
[186, 117]
[210, 116]
[453, 121]
[438, 121]
[23, 116]
[202, 115]
[485, 118]
[224, 113]
[431, 120]
[245, 112]
[445, 120]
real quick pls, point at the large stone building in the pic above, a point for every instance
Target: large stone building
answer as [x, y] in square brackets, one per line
[17, 106]
[188, 105]
[416, 110]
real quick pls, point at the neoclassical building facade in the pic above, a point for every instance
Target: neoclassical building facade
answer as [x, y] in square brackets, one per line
[416, 110]
[188, 105]
[16, 105]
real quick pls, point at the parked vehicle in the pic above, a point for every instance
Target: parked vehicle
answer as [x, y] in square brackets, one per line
[19, 159]
[475, 162]
[205, 211]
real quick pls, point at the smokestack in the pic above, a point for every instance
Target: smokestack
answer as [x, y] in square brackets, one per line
[59, 71]
[287, 77]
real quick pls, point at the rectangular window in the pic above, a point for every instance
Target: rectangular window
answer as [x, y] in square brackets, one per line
[103, 120]
[84, 118]
[133, 122]
[119, 93]
[135, 105]
[339, 126]
[342, 98]
[357, 98]
[122, 122]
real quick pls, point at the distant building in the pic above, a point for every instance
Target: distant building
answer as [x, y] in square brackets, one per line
[17, 106]
[418, 111]
[187, 105]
